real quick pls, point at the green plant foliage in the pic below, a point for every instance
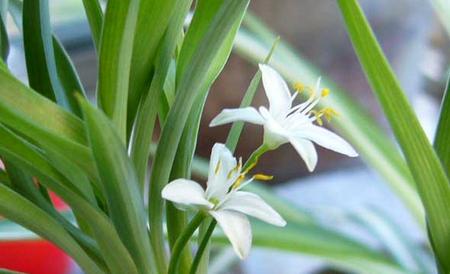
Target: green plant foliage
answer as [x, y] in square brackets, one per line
[429, 175]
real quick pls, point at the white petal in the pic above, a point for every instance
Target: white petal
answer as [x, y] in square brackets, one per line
[277, 91]
[248, 114]
[327, 139]
[237, 228]
[306, 150]
[221, 162]
[252, 205]
[185, 192]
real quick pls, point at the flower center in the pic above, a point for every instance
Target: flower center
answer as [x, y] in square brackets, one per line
[306, 109]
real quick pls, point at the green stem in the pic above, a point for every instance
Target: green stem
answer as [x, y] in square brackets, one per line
[253, 159]
[202, 247]
[183, 240]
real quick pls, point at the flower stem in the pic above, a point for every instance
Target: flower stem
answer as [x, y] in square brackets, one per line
[202, 247]
[253, 159]
[182, 241]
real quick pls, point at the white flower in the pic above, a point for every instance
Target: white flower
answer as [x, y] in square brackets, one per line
[284, 123]
[224, 200]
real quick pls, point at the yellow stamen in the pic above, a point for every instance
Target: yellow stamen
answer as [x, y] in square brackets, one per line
[219, 164]
[299, 87]
[317, 115]
[325, 92]
[238, 181]
[329, 112]
[262, 177]
[235, 169]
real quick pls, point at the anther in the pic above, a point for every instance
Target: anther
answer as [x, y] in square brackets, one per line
[299, 87]
[262, 177]
[325, 92]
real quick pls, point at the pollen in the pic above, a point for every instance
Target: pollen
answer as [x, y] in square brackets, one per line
[299, 86]
[262, 177]
[325, 92]
[329, 113]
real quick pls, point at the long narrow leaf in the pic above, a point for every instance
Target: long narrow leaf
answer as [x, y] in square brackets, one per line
[121, 187]
[442, 138]
[336, 250]
[114, 252]
[187, 91]
[39, 54]
[67, 74]
[94, 15]
[18, 209]
[153, 19]
[115, 52]
[430, 177]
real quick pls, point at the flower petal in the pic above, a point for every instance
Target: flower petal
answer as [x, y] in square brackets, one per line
[186, 192]
[277, 92]
[220, 165]
[252, 205]
[248, 114]
[306, 150]
[237, 228]
[327, 139]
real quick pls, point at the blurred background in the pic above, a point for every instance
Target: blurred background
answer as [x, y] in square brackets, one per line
[418, 49]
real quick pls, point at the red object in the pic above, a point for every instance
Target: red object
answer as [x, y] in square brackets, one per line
[35, 256]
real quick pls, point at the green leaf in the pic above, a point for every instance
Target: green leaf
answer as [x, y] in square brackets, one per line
[4, 40]
[353, 122]
[430, 177]
[23, 183]
[67, 75]
[116, 45]
[403, 249]
[188, 88]
[39, 53]
[337, 250]
[19, 152]
[94, 15]
[441, 140]
[149, 105]
[20, 210]
[121, 187]
[42, 121]
[153, 20]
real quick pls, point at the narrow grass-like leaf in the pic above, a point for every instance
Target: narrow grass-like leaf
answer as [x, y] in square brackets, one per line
[121, 187]
[94, 15]
[429, 175]
[43, 121]
[337, 250]
[187, 91]
[442, 138]
[4, 40]
[39, 53]
[23, 183]
[116, 45]
[353, 122]
[20, 210]
[67, 75]
[153, 18]
[114, 252]
[404, 250]
[146, 114]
